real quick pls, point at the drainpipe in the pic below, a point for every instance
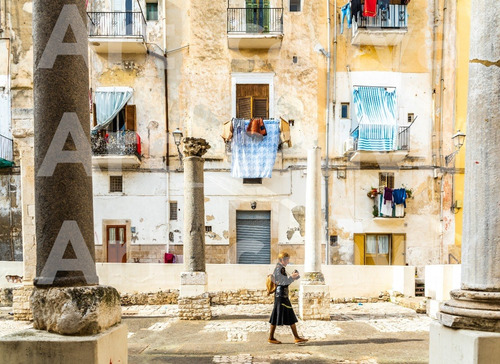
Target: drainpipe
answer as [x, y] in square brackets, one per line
[167, 127]
[327, 162]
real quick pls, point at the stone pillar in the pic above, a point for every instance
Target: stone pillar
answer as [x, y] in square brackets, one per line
[194, 301]
[63, 178]
[476, 306]
[314, 295]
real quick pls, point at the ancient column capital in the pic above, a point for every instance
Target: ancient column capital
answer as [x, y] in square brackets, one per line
[195, 147]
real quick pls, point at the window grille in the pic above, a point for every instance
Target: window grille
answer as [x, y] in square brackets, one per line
[115, 183]
[173, 210]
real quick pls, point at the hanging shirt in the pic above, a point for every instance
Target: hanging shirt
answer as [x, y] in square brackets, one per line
[399, 196]
[355, 8]
[370, 8]
[345, 12]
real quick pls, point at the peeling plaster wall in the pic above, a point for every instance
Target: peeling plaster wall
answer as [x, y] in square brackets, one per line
[10, 218]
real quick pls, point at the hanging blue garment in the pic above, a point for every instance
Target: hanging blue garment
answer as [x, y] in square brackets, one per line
[250, 157]
[399, 196]
[345, 11]
[376, 111]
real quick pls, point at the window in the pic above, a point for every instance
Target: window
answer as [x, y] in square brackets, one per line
[411, 117]
[208, 228]
[152, 10]
[252, 101]
[380, 249]
[344, 110]
[252, 181]
[173, 210]
[386, 180]
[115, 183]
[295, 5]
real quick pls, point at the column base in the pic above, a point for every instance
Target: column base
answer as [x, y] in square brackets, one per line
[42, 347]
[462, 346]
[473, 310]
[21, 305]
[314, 302]
[85, 310]
[194, 301]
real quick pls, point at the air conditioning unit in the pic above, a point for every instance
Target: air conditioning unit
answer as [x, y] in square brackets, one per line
[348, 145]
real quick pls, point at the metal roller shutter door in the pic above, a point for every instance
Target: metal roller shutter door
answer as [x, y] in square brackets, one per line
[253, 237]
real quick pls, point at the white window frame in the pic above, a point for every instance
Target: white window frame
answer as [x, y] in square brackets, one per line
[241, 78]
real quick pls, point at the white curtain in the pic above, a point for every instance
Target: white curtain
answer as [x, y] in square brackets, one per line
[108, 102]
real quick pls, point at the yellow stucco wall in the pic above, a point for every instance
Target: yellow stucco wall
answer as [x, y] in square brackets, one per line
[463, 30]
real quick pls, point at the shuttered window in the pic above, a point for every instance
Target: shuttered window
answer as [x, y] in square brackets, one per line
[386, 180]
[252, 101]
[253, 237]
[130, 117]
[173, 210]
[244, 108]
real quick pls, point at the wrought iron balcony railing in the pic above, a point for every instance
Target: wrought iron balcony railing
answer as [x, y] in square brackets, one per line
[402, 140]
[255, 20]
[395, 17]
[6, 148]
[116, 143]
[117, 24]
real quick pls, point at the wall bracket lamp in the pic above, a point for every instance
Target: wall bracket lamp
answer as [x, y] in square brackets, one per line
[458, 141]
[177, 134]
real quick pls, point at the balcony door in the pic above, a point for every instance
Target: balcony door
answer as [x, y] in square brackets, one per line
[257, 16]
[116, 243]
[123, 17]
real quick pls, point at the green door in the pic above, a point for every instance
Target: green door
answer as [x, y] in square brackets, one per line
[257, 17]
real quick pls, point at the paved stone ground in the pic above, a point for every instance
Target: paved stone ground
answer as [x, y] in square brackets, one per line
[357, 333]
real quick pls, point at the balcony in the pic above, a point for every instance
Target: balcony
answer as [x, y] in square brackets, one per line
[386, 29]
[117, 32]
[6, 155]
[254, 28]
[381, 157]
[116, 149]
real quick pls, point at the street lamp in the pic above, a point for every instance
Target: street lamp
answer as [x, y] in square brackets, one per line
[177, 134]
[458, 141]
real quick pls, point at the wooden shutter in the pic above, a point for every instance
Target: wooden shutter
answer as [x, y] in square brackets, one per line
[130, 117]
[244, 108]
[94, 114]
[398, 249]
[260, 108]
[359, 249]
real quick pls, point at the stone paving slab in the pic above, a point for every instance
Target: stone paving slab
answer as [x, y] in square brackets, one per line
[356, 334]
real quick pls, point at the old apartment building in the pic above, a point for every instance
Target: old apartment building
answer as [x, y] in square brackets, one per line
[376, 93]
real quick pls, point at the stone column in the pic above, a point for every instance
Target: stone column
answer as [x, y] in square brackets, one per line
[194, 302]
[66, 299]
[314, 295]
[476, 306]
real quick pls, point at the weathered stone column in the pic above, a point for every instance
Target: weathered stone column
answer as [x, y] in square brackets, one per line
[194, 302]
[314, 295]
[476, 306]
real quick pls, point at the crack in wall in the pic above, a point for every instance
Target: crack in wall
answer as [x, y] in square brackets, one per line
[485, 62]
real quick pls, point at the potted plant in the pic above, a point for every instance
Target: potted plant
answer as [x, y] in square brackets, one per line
[372, 193]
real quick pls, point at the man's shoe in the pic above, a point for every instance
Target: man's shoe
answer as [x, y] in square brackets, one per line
[273, 341]
[300, 340]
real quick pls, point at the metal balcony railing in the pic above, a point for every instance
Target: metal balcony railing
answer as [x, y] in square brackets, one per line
[6, 148]
[402, 139]
[255, 20]
[116, 143]
[117, 24]
[395, 17]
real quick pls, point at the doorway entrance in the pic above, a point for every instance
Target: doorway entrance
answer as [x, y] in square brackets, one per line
[116, 243]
